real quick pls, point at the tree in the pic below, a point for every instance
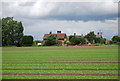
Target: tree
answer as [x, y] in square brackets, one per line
[91, 37]
[27, 40]
[71, 37]
[103, 41]
[116, 39]
[97, 40]
[51, 40]
[77, 40]
[12, 32]
[74, 41]
[82, 40]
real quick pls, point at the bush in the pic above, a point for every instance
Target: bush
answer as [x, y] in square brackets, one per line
[116, 39]
[51, 40]
[97, 40]
[27, 40]
[77, 41]
[58, 43]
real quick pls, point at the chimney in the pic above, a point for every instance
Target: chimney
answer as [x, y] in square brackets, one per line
[81, 35]
[74, 34]
[50, 33]
[58, 31]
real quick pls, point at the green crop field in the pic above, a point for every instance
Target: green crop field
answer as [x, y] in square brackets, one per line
[85, 62]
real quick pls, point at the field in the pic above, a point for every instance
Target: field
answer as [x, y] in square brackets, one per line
[82, 62]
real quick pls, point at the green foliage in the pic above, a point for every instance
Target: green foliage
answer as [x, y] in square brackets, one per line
[12, 32]
[90, 36]
[97, 40]
[59, 43]
[82, 40]
[51, 40]
[103, 41]
[71, 37]
[116, 39]
[74, 41]
[77, 40]
[67, 43]
[36, 42]
[27, 40]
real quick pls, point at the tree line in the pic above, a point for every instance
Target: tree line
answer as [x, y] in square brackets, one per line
[12, 35]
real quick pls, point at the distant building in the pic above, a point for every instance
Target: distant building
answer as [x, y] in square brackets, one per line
[59, 36]
[76, 35]
[99, 34]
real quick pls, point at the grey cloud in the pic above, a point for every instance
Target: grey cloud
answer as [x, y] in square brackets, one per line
[27, 4]
[62, 10]
[83, 11]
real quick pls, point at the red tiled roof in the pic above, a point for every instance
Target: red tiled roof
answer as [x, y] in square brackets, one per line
[59, 35]
[47, 35]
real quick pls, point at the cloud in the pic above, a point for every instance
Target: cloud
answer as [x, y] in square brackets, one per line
[84, 11]
[63, 0]
[61, 10]
[25, 9]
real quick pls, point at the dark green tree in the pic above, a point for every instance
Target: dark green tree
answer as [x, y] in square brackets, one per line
[27, 40]
[71, 37]
[82, 40]
[97, 40]
[51, 40]
[77, 40]
[74, 41]
[12, 32]
[90, 37]
[116, 39]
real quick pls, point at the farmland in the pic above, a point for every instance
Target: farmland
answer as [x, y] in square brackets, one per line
[82, 62]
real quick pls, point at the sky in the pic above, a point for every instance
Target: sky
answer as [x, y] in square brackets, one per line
[40, 17]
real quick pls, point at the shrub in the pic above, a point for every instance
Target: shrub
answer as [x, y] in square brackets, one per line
[51, 40]
[116, 39]
[27, 40]
[58, 43]
[77, 41]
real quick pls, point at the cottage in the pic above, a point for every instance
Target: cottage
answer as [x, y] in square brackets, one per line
[59, 36]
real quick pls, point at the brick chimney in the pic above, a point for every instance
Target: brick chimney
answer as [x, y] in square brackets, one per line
[74, 34]
[58, 31]
[50, 32]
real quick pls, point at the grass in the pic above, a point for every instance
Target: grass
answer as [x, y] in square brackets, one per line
[37, 62]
